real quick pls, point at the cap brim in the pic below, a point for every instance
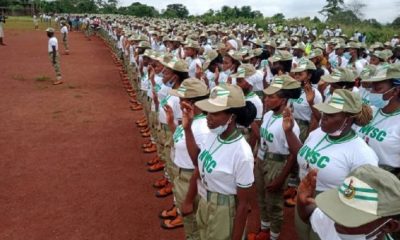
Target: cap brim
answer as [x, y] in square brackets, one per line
[271, 90]
[376, 79]
[329, 79]
[206, 106]
[330, 203]
[326, 108]
[296, 70]
[175, 93]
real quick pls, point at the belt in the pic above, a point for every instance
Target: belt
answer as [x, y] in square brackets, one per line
[186, 170]
[302, 122]
[276, 157]
[221, 199]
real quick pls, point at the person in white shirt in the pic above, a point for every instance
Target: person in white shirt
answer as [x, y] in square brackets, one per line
[192, 48]
[191, 91]
[273, 162]
[52, 50]
[366, 205]
[64, 33]
[382, 134]
[331, 148]
[225, 162]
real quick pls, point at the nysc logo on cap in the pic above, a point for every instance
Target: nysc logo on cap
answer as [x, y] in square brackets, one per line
[219, 97]
[337, 101]
[278, 82]
[181, 91]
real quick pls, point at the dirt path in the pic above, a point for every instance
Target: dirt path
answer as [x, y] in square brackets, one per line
[70, 163]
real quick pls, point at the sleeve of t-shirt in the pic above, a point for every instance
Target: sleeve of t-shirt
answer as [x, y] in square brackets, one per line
[244, 170]
[177, 110]
[318, 97]
[363, 155]
[323, 225]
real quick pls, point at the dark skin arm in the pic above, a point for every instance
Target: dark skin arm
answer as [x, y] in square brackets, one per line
[170, 118]
[187, 205]
[316, 115]
[243, 198]
[293, 141]
[255, 133]
[54, 54]
[187, 119]
[305, 196]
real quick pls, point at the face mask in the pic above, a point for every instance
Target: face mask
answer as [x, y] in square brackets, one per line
[347, 55]
[340, 130]
[376, 99]
[221, 129]
[371, 236]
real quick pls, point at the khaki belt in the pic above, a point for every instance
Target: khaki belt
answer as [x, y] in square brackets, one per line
[276, 157]
[221, 199]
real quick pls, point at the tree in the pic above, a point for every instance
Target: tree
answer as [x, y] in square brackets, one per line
[346, 17]
[396, 22]
[176, 11]
[332, 7]
[357, 7]
[279, 17]
[140, 10]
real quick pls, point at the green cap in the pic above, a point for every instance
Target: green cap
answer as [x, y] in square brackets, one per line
[300, 45]
[190, 88]
[50, 30]
[281, 55]
[176, 65]
[282, 82]
[303, 65]
[385, 72]
[223, 97]
[367, 194]
[315, 53]
[340, 74]
[244, 71]
[342, 100]
[340, 46]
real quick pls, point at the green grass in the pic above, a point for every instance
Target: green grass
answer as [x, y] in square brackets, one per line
[25, 23]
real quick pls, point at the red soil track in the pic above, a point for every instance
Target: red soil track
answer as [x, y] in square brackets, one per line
[71, 165]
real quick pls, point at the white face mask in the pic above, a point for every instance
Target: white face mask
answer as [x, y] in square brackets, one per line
[370, 236]
[222, 128]
[340, 130]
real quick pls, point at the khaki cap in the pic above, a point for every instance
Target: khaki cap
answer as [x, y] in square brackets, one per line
[144, 44]
[340, 46]
[244, 71]
[254, 53]
[385, 72]
[368, 193]
[190, 88]
[176, 65]
[148, 53]
[282, 82]
[281, 55]
[342, 100]
[50, 30]
[223, 97]
[300, 45]
[340, 74]
[376, 45]
[258, 42]
[209, 57]
[235, 55]
[304, 64]
[270, 43]
[191, 44]
[353, 45]
[368, 71]
[315, 53]
[384, 54]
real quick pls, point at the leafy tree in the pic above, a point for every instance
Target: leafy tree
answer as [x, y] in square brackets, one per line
[140, 10]
[396, 22]
[332, 7]
[176, 11]
[346, 17]
[279, 17]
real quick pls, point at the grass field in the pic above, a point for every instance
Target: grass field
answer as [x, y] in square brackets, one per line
[25, 23]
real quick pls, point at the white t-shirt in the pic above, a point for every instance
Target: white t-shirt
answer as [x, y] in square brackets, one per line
[382, 134]
[174, 103]
[333, 159]
[272, 136]
[144, 80]
[64, 29]
[200, 131]
[302, 109]
[52, 42]
[253, 98]
[257, 81]
[211, 79]
[192, 66]
[226, 165]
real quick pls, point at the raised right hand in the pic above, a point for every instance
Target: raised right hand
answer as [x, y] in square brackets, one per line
[187, 115]
[288, 120]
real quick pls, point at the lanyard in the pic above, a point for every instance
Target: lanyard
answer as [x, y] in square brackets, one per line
[275, 117]
[251, 94]
[384, 117]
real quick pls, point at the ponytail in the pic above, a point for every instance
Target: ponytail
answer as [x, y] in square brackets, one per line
[364, 117]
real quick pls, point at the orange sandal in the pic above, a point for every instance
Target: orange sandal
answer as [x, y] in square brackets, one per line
[172, 223]
[169, 213]
[161, 183]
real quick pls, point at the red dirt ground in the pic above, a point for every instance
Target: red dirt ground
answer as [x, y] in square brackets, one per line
[71, 165]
